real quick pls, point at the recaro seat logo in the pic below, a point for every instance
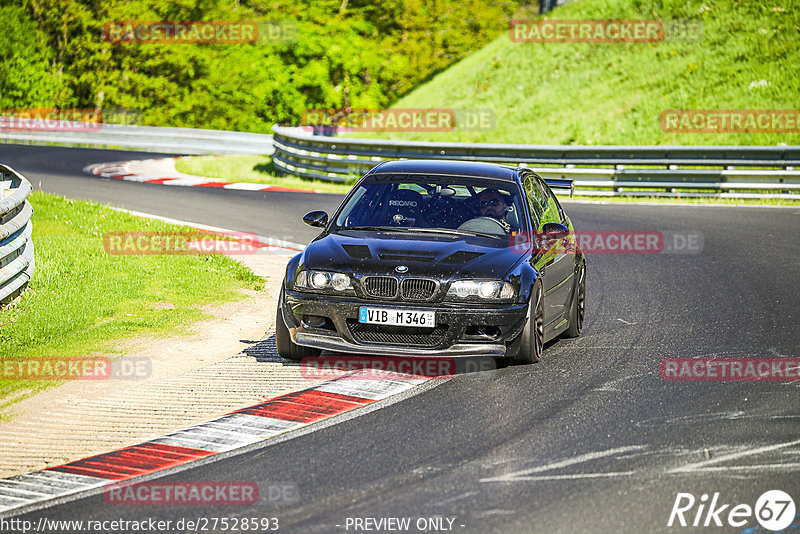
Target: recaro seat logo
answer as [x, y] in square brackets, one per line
[774, 510]
[402, 203]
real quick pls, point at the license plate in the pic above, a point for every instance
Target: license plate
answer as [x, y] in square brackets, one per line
[388, 316]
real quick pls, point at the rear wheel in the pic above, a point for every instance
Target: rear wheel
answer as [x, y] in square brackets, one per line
[287, 348]
[531, 342]
[578, 308]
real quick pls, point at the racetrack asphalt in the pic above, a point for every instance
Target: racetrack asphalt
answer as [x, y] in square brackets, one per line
[591, 439]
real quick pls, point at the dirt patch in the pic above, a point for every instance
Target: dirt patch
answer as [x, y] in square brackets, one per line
[227, 362]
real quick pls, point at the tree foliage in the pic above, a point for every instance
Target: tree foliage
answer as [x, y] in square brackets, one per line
[26, 75]
[338, 53]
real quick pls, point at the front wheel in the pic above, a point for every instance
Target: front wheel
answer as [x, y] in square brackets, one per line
[531, 342]
[578, 308]
[287, 348]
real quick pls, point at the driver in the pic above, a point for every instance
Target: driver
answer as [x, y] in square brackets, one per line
[492, 203]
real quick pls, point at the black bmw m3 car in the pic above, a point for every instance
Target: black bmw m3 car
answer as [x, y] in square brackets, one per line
[436, 258]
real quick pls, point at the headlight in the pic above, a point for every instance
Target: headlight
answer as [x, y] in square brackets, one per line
[340, 282]
[481, 289]
[322, 281]
[319, 279]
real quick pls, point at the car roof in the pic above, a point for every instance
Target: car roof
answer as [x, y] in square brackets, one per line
[447, 168]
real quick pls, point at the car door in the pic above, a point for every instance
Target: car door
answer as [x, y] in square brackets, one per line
[542, 258]
[562, 254]
[551, 259]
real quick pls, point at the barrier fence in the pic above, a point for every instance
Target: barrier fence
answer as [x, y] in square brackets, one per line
[16, 246]
[150, 138]
[665, 171]
[670, 171]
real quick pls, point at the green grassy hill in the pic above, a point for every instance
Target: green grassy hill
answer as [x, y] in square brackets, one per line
[747, 56]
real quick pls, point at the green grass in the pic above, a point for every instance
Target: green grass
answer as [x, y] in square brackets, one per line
[82, 300]
[607, 94]
[254, 169]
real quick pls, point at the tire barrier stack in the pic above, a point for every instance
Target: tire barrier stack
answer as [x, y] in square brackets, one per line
[16, 246]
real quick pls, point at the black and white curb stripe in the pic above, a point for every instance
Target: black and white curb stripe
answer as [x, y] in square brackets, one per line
[237, 430]
[121, 170]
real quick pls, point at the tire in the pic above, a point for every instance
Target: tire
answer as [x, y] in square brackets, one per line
[531, 341]
[287, 348]
[577, 309]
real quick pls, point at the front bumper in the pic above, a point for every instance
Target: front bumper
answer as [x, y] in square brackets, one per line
[461, 330]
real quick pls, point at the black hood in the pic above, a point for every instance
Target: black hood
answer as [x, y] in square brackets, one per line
[435, 255]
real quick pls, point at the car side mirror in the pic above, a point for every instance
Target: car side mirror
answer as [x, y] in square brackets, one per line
[554, 230]
[317, 218]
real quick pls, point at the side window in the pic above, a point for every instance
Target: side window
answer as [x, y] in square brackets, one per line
[562, 215]
[552, 210]
[535, 196]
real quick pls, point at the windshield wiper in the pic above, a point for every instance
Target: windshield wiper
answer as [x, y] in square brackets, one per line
[454, 231]
[381, 228]
[450, 231]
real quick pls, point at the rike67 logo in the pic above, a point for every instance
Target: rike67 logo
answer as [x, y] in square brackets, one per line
[774, 510]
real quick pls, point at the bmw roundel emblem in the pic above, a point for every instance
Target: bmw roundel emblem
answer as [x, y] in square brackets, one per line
[401, 268]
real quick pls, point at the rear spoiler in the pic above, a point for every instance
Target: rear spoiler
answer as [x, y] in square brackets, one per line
[556, 183]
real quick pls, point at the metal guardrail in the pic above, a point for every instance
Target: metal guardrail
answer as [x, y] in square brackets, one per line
[16, 246]
[151, 138]
[671, 171]
[705, 171]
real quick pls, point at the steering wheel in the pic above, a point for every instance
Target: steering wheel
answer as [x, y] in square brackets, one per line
[488, 225]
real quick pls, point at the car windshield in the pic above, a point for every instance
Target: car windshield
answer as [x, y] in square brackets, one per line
[449, 204]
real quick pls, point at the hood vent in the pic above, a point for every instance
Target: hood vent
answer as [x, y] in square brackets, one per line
[407, 257]
[359, 252]
[462, 256]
